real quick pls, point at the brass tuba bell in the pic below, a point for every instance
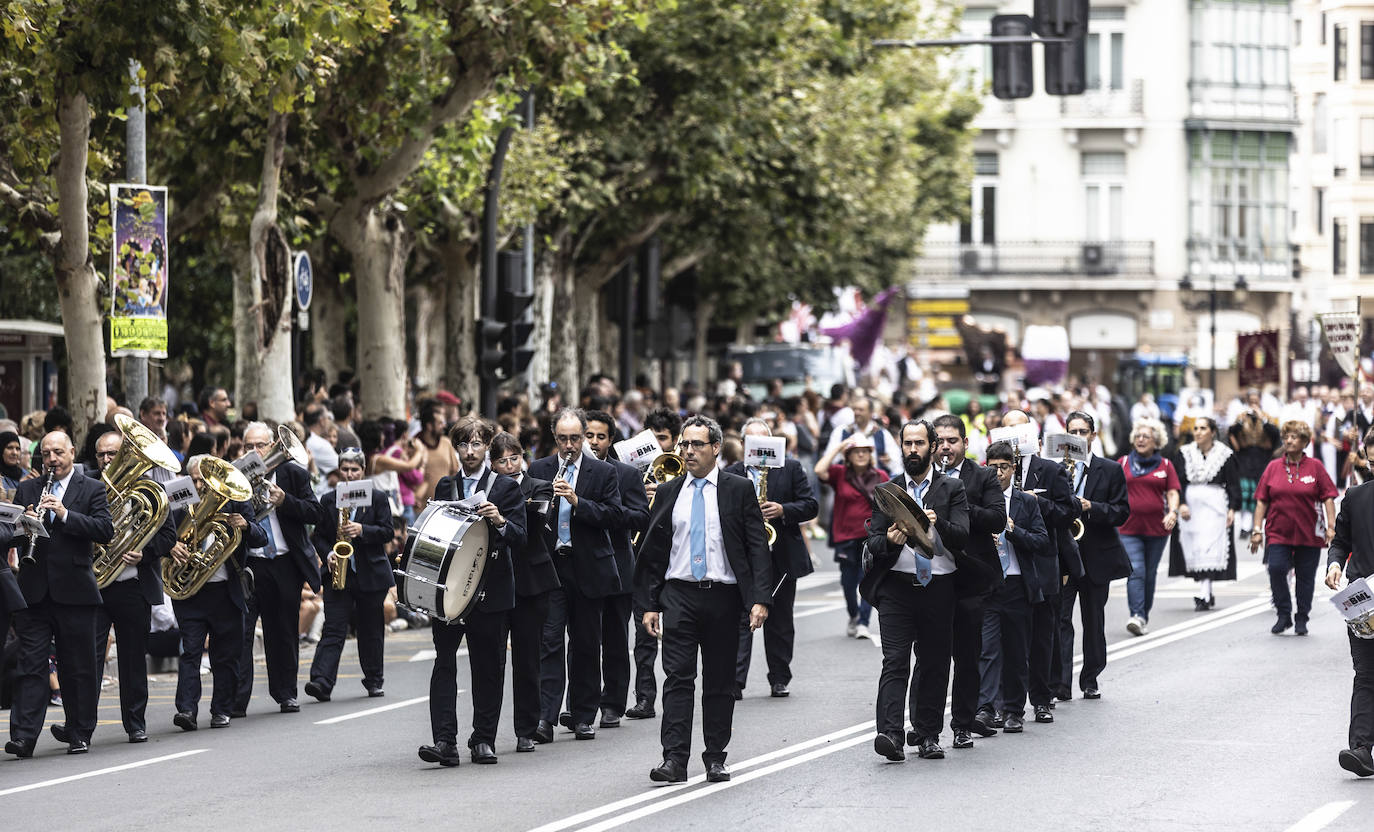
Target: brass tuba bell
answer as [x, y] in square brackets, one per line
[210, 539]
[665, 467]
[138, 506]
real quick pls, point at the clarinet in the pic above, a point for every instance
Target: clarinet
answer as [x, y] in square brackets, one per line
[27, 559]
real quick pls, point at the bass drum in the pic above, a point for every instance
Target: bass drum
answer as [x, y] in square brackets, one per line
[445, 556]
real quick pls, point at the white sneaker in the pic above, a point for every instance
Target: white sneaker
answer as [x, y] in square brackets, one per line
[1136, 626]
[853, 629]
[397, 625]
[861, 632]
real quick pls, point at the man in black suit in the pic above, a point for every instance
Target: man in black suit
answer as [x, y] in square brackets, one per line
[280, 568]
[368, 529]
[1021, 548]
[616, 608]
[704, 561]
[535, 578]
[987, 517]
[59, 588]
[218, 611]
[487, 622]
[127, 604]
[666, 426]
[788, 503]
[1352, 554]
[1100, 488]
[1049, 482]
[915, 597]
[586, 507]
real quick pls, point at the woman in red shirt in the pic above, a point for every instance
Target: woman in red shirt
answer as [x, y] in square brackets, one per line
[1152, 490]
[1286, 501]
[853, 481]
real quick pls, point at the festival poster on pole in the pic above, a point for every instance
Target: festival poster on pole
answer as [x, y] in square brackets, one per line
[1342, 330]
[1257, 358]
[138, 271]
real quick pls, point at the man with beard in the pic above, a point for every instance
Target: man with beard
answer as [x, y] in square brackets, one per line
[915, 597]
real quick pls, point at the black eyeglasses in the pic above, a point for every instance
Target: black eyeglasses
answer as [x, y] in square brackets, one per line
[695, 444]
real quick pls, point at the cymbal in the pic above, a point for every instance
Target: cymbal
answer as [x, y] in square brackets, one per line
[906, 515]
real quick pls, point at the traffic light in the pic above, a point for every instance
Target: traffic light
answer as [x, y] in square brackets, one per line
[1065, 67]
[491, 353]
[515, 305]
[1061, 18]
[1011, 62]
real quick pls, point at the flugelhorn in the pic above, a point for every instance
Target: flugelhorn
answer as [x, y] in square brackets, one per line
[665, 467]
[1071, 465]
[286, 447]
[138, 506]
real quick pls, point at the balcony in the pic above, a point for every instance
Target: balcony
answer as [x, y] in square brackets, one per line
[1241, 106]
[1038, 257]
[1106, 105]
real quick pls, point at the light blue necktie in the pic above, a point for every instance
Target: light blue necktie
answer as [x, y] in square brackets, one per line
[923, 570]
[270, 551]
[468, 484]
[1002, 553]
[697, 535]
[565, 511]
[56, 492]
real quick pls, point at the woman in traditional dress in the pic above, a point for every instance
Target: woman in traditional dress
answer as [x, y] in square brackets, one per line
[1203, 547]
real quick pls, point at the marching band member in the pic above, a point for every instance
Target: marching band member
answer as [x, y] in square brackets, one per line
[1352, 555]
[60, 590]
[616, 609]
[666, 426]
[586, 507]
[487, 623]
[535, 578]
[703, 562]
[369, 580]
[789, 503]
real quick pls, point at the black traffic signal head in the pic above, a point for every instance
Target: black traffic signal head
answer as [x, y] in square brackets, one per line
[1061, 18]
[1065, 68]
[1011, 62]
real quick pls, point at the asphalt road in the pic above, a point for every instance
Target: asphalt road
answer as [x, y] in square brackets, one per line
[1209, 722]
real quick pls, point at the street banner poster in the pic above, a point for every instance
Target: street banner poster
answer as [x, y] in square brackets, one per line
[138, 271]
[1257, 358]
[1342, 330]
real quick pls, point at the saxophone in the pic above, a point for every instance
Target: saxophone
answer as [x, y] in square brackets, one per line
[138, 506]
[220, 483]
[768, 529]
[343, 550]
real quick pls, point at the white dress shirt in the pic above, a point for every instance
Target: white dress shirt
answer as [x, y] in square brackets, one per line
[680, 558]
[942, 563]
[1013, 565]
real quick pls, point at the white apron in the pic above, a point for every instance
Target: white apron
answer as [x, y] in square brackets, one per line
[1204, 537]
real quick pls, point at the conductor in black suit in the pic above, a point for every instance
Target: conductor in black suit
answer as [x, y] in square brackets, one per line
[615, 612]
[1100, 488]
[535, 578]
[788, 503]
[704, 561]
[586, 508]
[915, 597]
[487, 623]
[369, 578]
[1352, 555]
[280, 569]
[59, 588]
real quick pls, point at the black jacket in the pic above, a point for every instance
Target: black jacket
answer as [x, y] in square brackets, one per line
[789, 487]
[945, 497]
[299, 510]
[498, 577]
[1029, 540]
[1104, 558]
[63, 569]
[150, 568]
[634, 517]
[534, 570]
[1058, 508]
[371, 566]
[1355, 533]
[592, 571]
[987, 517]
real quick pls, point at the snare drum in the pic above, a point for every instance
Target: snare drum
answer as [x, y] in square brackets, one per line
[445, 556]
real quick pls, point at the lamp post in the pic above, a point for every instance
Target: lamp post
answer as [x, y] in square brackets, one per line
[1240, 288]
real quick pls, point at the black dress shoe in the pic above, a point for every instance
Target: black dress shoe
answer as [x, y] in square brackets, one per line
[739, 693]
[913, 739]
[484, 754]
[543, 732]
[219, 721]
[584, 731]
[78, 747]
[290, 706]
[138, 735]
[982, 724]
[523, 744]
[889, 747]
[443, 753]
[716, 772]
[185, 721]
[929, 749]
[1013, 725]
[238, 714]
[1092, 693]
[315, 689]
[19, 749]
[962, 739]
[1300, 627]
[779, 690]
[669, 771]
[60, 732]
[375, 693]
[643, 709]
[1043, 713]
[566, 720]
[1282, 624]
[1357, 761]
[1063, 694]
[999, 719]
[609, 720]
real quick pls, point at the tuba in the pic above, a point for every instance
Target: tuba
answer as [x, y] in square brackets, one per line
[286, 447]
[220, 483]
[768, 529]
[343, 550]
[138, 506]
[665, 467]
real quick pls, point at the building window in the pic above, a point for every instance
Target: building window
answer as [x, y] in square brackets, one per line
[1366, 147]
[1319, 123]
[1366, 51]
[1323, 27]
[1339, 144]
[1366, 245]
[1238, 182]
[1337, 246]
[1319, 209]
[1104, 194]
[1338, 56]
[1297, 31]
[982, 224]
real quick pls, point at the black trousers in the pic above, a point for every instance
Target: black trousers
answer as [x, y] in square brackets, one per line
[967, 644]
[920, 617]
[1362, 692]
[366, 606]
[526, 644]
[73, 627]
[615, 653]
[211, 612]
[707, 620]
[277, 599]
[486, 632]
[1014, 614]
[1093, 606]
[578, 668]
[646, 652]
[129, 612]
[779, 636]
[1043, 647]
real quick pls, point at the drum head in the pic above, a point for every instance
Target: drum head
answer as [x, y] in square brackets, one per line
[462, 577]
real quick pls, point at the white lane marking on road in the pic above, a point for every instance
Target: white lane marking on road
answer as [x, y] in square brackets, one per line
[818, 610]
[1322, 816]
[676, 796]
[816, 579]
[370, 711]
[98, 772]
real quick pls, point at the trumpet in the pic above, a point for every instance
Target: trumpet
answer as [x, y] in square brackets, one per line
[342, 551]
[665, 467]
[768, 529]
[1071, 465]
[27, 559]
